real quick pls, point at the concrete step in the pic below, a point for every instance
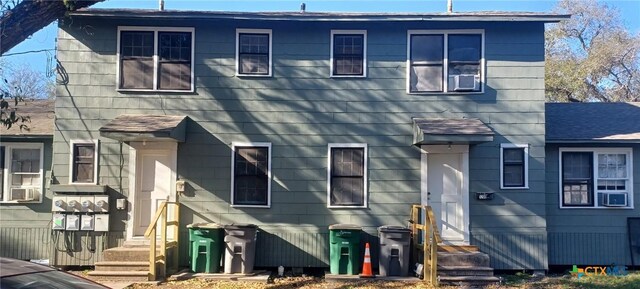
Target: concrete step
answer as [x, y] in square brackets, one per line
[132, 276]
[122, 266]
[464, 271]
[473, 259]
[139, 254]
[469, 281]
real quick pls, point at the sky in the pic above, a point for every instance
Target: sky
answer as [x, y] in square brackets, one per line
[45, 38]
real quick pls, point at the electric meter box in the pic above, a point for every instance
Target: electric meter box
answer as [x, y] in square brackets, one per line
[73, 204]
[59, 204]
[101, 222]
[86, 204]
[73, 223]
[101, 204]
[58, 222]
[86, 222]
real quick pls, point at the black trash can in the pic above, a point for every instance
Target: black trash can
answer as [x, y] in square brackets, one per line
[395, 242]
[240, 248]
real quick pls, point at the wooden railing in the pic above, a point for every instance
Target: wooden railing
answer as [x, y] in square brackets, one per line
[158, 258]
[424, 228]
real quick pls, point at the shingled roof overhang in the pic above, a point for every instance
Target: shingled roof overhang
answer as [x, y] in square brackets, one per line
[322, 16]
[145, 127]
[429, 131]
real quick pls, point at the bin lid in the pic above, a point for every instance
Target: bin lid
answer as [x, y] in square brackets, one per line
[393, 229]
[204, 226]
[344, 227]
[239, 226]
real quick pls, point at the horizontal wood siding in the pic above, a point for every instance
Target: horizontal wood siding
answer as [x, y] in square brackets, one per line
[513, 251]
[299, 111]
[589, 249]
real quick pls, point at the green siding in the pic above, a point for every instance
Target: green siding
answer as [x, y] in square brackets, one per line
[300, 110]
[587, 236]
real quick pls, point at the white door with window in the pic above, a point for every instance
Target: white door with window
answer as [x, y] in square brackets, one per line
[154, 181]
[445, 189]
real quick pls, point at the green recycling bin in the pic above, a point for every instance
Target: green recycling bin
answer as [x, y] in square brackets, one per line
[344, 249]
[206, 244]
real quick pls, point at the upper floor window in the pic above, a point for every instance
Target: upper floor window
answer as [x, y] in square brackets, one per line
[253, 52]
[348, 53]
[596, 177]
[347, 176]
[251, 176]
[445, 61]
[84, 160]
[21, 172]
[155, 58]
[514, 171]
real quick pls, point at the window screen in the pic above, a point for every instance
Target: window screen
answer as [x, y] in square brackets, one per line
[577, 178]
[513, 167]
[83, 163]
[347, 177]
[464, 56]
[427, 63]
[253, 53]
[136, 56]
[348, 54]
[174, 63]
[251, 171]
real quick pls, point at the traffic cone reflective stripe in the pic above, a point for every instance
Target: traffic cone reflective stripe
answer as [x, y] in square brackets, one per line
[367, 272]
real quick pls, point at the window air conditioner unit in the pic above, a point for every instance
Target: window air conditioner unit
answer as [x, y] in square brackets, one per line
[22, 195]
[614, 199]
[466, 82]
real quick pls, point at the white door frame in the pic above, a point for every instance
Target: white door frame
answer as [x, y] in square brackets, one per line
[424, 183]
[135, 148]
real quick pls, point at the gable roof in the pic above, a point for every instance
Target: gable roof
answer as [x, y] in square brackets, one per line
[323, 16]
[42, 115]
[593, 122]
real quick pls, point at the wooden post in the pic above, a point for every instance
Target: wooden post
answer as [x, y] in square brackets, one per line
[152, 256]
[176, 235]
[163, 241]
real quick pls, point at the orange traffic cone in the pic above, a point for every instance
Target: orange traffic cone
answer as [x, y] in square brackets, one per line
[366, 266]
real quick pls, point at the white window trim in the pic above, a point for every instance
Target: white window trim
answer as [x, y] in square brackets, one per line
[364, 53]
[445, 80]
[598, 150]
[74, 142]
[526, 165]
[233, 161]
[155, 30]
[366, 174]
[7, 161]
[257, 31]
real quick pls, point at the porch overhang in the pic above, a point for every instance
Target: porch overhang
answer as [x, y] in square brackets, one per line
[433, 131]
[146, 127]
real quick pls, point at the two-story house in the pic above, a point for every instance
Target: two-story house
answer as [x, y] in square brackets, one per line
[294, 121]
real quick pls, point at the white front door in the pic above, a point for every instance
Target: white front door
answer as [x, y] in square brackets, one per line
[154, 181]
[447, 191]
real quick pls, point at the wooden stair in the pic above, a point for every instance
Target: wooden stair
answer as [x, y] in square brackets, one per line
[464, 265]
[126, 263]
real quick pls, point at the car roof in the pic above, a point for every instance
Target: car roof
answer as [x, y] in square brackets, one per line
[12, 267]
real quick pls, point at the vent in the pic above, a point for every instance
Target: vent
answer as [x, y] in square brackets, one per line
[466, 82]
[615, 199]
[20, 194]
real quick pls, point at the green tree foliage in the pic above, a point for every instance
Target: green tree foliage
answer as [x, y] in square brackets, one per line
[593, 56]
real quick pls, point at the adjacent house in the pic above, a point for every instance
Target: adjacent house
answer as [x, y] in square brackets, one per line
[294, 121]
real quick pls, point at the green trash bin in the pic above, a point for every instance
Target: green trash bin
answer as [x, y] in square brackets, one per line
[344, 249]
[206, 244]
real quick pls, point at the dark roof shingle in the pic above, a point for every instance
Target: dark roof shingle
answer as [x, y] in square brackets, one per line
[42, 117]
[598, 122]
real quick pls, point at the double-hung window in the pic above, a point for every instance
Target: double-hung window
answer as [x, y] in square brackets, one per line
[253, 52]
[445, 61]
[596, 178]
[21, 171]
[348, 53]
[514, 166]
[347, 176]
[83, 163]
[155, 58]
[251, 176]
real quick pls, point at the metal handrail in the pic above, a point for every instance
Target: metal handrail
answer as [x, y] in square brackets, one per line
[161, 218]
[430, 242]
